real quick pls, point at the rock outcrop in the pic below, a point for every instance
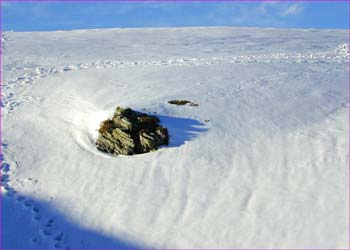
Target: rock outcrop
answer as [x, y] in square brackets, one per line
[130, 132]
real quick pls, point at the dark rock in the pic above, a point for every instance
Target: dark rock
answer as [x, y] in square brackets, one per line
[182, 102]
[130, 132]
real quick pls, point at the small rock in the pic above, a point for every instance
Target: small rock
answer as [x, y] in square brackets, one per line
[182, 102]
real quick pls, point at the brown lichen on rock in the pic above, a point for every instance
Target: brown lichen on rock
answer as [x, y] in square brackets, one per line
[130, 132]
[106, 126]
[182, 102]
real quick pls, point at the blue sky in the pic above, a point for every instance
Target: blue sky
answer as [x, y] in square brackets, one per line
[45, 16]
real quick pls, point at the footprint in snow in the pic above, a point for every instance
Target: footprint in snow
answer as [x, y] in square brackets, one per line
[47, 229]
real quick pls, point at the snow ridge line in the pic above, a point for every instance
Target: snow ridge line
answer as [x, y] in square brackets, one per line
[10, 101]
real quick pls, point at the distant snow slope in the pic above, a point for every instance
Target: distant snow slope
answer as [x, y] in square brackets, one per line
[262, 162]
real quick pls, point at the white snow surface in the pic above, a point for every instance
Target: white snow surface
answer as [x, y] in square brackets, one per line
[268, 170]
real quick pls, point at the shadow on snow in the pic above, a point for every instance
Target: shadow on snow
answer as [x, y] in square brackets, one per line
[25, 225]
[181, 129]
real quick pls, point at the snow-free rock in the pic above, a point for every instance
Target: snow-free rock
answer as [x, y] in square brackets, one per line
[130, 132]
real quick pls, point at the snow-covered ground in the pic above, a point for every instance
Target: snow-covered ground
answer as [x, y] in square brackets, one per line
[268, 170]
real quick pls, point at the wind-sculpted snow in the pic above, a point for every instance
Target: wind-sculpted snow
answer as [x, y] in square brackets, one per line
[37, 220]
[259, 163]
[10, 101]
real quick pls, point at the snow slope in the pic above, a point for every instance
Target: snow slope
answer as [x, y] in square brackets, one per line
[268, 170]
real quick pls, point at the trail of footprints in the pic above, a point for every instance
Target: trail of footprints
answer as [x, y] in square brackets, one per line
[47, 229]
[10, 101]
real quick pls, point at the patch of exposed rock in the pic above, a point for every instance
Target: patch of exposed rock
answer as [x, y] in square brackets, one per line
[129, 132]
[182, 102]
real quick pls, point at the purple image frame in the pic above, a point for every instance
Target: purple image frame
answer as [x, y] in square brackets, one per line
[174, 1]
[348, 136]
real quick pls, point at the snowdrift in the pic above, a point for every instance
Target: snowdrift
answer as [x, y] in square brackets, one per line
[261, 162]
